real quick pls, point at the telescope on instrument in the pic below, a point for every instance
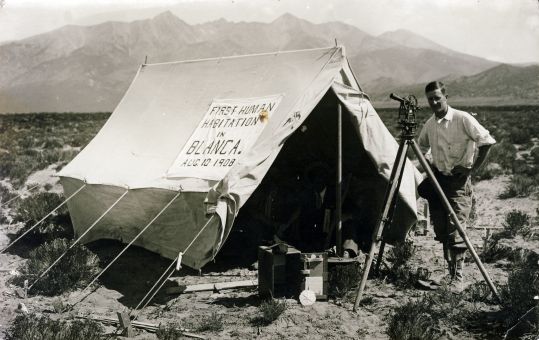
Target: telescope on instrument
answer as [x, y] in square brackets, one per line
[407, 109]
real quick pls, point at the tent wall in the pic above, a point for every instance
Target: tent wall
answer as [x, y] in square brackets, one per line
[166, 236]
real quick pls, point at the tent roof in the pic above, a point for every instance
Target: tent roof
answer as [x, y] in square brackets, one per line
[165, 103]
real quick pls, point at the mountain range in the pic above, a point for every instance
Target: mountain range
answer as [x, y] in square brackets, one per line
[88, 68]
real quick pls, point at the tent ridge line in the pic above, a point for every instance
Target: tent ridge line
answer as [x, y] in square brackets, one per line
[243, 56]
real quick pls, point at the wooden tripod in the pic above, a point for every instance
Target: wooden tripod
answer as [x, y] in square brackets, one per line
[408, 125]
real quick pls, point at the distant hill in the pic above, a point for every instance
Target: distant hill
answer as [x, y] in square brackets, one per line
[502, 84]
[88, 68]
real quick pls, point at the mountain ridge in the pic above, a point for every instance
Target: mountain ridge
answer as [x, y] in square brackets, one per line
[503, 84]
[88, 68]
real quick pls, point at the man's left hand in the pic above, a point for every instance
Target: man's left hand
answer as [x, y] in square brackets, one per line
[461, 171]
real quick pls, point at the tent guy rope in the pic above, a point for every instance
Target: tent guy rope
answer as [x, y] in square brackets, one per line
[166, 270]
[19, 195]
[43, 219]
[127, 246]
[77, 240]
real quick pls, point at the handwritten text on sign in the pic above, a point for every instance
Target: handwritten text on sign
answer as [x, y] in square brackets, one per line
[228, 129]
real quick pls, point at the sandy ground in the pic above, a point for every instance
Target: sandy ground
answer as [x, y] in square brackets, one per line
[128, 280]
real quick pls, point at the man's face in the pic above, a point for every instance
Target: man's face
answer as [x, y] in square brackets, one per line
[438, 102]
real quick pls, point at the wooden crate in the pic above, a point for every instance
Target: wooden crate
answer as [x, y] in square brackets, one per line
[279, 272]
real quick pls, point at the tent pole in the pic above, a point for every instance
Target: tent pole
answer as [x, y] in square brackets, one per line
[338, 197]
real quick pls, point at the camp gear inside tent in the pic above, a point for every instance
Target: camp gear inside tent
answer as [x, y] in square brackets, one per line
[236, 135]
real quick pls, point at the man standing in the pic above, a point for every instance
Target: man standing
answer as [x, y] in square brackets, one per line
[452, 137]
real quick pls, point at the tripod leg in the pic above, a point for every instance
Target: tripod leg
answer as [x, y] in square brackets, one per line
[454, 218]
[390, 196]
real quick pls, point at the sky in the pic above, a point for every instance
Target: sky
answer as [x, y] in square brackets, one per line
[499, 30]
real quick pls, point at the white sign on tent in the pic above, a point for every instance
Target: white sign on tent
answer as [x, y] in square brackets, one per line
[227, 130]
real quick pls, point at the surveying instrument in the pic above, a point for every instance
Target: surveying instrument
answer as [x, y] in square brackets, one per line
[408, 125]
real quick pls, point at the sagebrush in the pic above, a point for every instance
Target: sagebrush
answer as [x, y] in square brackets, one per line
[516, 223]
[42, 327]
[34, 208]
[269, 311]
[75, 269]
[343, 278]
[522, 285]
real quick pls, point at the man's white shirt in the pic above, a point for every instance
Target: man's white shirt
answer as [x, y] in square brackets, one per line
[453, 139]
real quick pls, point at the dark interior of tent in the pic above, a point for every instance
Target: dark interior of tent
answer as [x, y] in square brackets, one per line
[295, 201]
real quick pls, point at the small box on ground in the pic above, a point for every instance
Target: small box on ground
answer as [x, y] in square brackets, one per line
[279, 271]
[315, 274]
[283, 271]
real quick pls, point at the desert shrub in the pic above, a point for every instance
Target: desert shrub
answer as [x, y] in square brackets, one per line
[413, 320]
[503, 153]
[34, 141]
[27, 142]
[58, 156]
[519, 135]
[6, 163]
[404, 276]
[4, 219]
[368, 300]
[79, 140]
[5, 194]
[520, 186]
[401, 273]
[211, 323]
[34, 327]
[493, 251]
[76, 269]
[517, 222]
[478, 292]
[401, 253]
[269, 311]
[487, 171]
[535, 155]
[53, 143]
[52, 156]
[517, 295]
[342, 278]
[429, 317]
[33, 208]
[169, 332]
[19, 169]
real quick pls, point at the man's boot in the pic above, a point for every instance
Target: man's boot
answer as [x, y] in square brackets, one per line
[457, 260]
[446, 279]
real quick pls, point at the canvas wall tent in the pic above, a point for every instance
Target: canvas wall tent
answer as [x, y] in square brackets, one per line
[212, 129]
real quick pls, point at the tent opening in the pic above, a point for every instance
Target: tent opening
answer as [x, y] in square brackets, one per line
[296, 199]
